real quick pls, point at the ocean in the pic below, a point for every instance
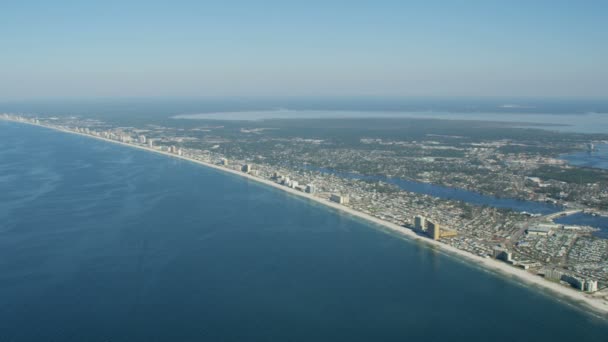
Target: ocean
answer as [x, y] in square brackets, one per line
[100, 242]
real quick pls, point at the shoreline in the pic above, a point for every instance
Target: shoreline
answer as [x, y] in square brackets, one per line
[578, 299]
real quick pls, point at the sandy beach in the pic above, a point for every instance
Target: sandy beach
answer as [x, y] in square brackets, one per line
[568, 295]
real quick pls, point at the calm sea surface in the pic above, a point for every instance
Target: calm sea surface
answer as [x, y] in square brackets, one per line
[100, 242]
[596, 159]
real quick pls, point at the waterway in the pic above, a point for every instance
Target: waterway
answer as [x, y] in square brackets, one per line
[583, 219]
[598, 158]
[450, 193]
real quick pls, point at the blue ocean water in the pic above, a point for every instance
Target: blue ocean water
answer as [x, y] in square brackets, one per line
[100, 242]
[450, 193]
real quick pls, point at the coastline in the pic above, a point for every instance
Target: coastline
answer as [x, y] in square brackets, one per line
[581, 299]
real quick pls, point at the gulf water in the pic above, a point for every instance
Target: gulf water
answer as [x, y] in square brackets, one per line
[100, 242]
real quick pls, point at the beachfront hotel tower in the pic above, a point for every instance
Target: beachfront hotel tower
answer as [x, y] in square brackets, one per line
[420, 223]
[433, 230]
[340, 199]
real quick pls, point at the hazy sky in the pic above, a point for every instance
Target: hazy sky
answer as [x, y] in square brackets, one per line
[389, 48]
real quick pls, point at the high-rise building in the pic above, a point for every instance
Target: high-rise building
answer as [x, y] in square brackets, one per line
[590, 285]
[586, 285]
[420, 222]
[339, 199]
[433, 230]
[310, 189]
[574, 281]
[141, 139]
[224, 161]
[502, 254]
[554, 274]
[246, 168]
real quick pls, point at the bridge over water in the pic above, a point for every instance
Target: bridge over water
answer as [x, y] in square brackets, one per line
[553, 216]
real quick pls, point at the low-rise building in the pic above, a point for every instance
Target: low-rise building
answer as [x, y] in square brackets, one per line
[447, 233]
[541, 229]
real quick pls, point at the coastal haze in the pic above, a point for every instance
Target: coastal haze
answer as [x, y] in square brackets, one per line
[230, 171]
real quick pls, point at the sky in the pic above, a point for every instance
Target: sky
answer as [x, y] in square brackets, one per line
[72, 49]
